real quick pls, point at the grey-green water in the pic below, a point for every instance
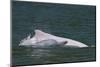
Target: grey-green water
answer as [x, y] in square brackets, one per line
[35, 56]
[69, 21]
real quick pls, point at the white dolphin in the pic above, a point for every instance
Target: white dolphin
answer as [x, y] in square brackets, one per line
[41, 37]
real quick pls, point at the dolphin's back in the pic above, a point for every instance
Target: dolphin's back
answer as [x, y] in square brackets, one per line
[42, 38]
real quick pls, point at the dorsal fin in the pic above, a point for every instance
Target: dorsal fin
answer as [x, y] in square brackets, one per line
[40, 35]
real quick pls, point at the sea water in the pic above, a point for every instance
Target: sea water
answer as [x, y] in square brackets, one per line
[70, 21]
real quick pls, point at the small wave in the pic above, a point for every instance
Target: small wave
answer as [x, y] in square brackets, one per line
[92, 46]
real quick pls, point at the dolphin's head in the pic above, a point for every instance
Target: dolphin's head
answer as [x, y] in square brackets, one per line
[25, 41]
